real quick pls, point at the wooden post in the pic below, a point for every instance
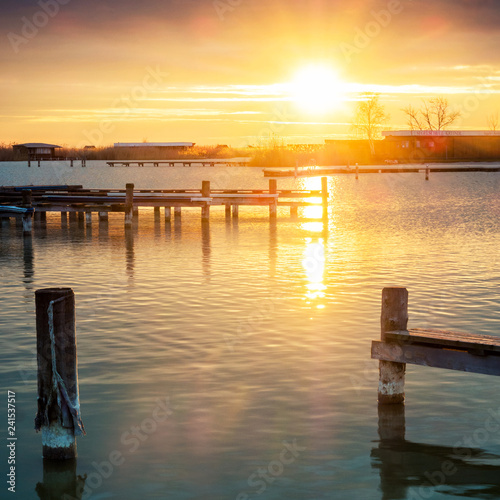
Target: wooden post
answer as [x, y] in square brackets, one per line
[205, 193]
[58, 415]
[177, 212]
[324, 196]
[43, 216]
[88, 218]
[156, 211]
[71, 162]
[129, 204]
[103, 216]
[72, 217]
[391, 388]
[273, 206]
[227, 210]
[357, 171]
[168, 214]
[38, 163]
[27, 217]
[64, 217]
[427, 172]
[235, 211]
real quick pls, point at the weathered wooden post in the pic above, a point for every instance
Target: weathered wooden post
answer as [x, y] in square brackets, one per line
[129, 204]
[394, 316]
[28, 216]
[273, 206]
[168, 214]
[324, 196]
[58, 415]
[205, 193]
[427, 172]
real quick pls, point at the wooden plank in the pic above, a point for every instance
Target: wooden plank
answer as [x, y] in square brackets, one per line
[436, 357]
[458, 340]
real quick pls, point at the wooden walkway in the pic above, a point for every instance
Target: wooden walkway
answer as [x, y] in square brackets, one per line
[75, 199]
[178, 162]
[398, 346]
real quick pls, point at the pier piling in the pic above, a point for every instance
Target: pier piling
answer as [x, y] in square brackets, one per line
[324, 196]
[205, 193]
[394, 316]
[58, 415]
[273, 206]
[129, 204]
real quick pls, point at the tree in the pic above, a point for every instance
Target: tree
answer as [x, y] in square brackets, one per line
[434, 114]
[369, 117]
[492, 120]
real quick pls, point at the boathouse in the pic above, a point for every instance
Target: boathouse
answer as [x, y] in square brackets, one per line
[439, 145]
[36, 150]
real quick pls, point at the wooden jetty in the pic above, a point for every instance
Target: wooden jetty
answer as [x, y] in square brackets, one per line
[177, 162]
[71, 199]
[72, 161]
[427, 347]
[314, 172]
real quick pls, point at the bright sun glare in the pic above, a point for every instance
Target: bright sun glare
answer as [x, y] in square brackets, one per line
[317, 89]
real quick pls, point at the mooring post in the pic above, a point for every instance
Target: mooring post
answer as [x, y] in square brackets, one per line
[273, 205]
[394, 316]
[27, 217]
[427, 172]
[205, 193]
[324, 196]
[58, 415]
[129, 204]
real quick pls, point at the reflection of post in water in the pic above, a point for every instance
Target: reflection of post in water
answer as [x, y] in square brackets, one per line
[205, 246]
[29, 269]
[177, 223]
[60, 481]
[413, 470]
[157, 222]
[129, 250]
[273, 247]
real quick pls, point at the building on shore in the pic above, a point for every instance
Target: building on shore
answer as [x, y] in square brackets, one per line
[439, 145]
[36, 150]
[160, 146]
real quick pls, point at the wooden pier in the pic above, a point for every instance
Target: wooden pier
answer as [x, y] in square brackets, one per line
[177, 162]
[467, 352]
[71, 199]
[315, 172]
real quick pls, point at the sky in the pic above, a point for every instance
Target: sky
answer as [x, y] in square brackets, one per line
[236, 72]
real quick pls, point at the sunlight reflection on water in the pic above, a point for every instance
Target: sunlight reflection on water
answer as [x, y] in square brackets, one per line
[259, 333]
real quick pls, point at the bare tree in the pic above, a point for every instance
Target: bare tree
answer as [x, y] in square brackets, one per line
[492, 119]
[369, 117]
[434, 114]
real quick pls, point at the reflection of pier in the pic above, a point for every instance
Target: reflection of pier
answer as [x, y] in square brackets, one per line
[60, 481]
[177, 162]
[412, 470]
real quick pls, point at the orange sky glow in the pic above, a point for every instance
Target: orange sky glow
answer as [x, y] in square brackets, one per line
[236, 71]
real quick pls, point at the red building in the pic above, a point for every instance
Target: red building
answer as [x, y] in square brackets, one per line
[439, 145]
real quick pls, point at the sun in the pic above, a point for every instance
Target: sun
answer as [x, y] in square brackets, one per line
[317, 89]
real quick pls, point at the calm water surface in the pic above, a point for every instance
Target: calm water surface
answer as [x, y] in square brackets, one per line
[233, 361]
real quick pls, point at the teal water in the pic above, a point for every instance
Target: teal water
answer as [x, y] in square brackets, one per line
[233, 361]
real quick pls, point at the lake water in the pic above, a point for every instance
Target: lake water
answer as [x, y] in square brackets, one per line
[233, 361]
